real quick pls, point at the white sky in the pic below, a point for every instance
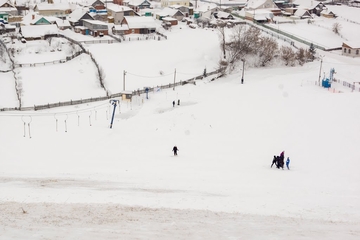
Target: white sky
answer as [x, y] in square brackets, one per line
[78, 179]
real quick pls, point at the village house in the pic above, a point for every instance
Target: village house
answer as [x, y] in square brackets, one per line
[139, 25]
[37, 32]
[328, 14]
[169, 21]
[186, 10]
[313, 7]
[95, 28]
[53, 9]
[95, 4]
[351, 49]
[170, 12]
[261, 10]
[118, 12]
[302, 14]
[137, 4]
[77, 16]
[6, 6]
[33, 18]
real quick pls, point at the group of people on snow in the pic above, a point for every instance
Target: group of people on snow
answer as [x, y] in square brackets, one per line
[279, 161]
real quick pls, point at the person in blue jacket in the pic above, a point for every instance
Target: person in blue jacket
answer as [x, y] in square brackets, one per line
[288, 163]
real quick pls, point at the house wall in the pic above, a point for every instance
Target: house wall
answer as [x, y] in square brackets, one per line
[95, 27]
[4, 16]
[98, 5]
[166, 3]
[118, 16]
[54, 12]
[351, 52]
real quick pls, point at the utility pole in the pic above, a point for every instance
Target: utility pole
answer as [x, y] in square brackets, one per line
[124, 80]
[321, 57]
[174, 79]
[242, 77]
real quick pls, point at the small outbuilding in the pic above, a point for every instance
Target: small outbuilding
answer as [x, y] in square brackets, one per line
[126, 95]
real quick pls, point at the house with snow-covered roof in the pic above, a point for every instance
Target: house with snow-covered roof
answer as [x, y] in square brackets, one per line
[261, 10]
[302, 14]
[33, 18]
[139, 25]
[77, 16]
[95, 4]
[95, 28]
[137, 4]
[351, 49]
[8, 7]
[313, 7]
[118, 12]
[170, 12]
[186, 10]
[37, 32]
[53, 9]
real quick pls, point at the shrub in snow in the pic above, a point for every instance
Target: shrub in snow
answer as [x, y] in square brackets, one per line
[287, 54]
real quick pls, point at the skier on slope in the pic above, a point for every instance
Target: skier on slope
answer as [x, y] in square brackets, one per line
[288, 163]
[175, 150]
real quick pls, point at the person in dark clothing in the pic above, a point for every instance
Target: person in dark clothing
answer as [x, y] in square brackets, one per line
[175, 150]
[178, 101]
[275, 161]
[173, 103]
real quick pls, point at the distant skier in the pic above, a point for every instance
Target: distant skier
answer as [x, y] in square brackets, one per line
[288, 163]
[178, 101]
[275, 161]
[282, 155]
[175, 150]
[173, 103]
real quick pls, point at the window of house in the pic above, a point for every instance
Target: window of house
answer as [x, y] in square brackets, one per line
[357, 52]
[344, 50]
[349, 51]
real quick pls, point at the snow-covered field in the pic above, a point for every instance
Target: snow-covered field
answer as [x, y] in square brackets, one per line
[64, 174]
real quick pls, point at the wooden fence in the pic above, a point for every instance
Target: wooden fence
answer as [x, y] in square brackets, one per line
[136, 92]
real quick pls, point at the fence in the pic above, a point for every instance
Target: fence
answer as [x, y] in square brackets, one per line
[68, 58]
[136, 92]
[280, 34]
[108, 41]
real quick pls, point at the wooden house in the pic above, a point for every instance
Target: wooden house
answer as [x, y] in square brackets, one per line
[139, 25]
[95, 28]
[327, 14]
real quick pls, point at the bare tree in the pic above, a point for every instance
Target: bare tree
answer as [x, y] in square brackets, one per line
[221, 30]
[336, 27]
[243, 41]
[267, 49]
[287, 54]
